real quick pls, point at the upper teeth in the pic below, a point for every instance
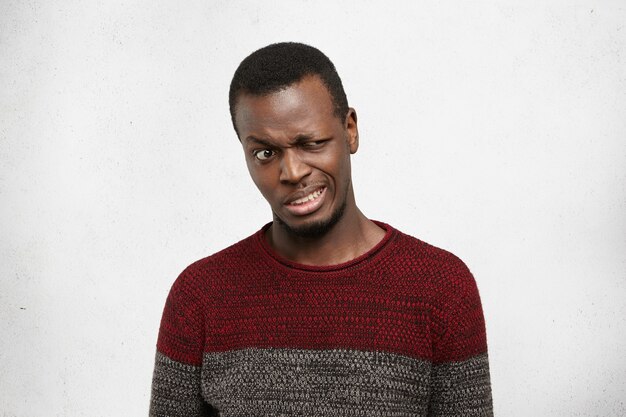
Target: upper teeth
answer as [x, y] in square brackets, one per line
[309, 197]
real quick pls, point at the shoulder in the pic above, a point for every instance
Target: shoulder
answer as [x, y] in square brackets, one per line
[428, 257]
[457, 321]
[209, 271]
[443, 273]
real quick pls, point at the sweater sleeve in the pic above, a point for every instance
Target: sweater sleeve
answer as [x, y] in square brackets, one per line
[460, 382]
[176, 387]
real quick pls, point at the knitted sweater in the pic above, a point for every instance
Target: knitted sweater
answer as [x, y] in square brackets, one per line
[396, 332]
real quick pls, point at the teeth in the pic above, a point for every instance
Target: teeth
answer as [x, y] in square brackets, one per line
[309, 197]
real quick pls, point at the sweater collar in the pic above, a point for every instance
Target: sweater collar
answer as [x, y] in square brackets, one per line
[266, 249]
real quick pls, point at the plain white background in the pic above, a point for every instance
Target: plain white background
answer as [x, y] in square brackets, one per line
[493, 129]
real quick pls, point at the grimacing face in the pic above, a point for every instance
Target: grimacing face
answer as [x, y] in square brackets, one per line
[298, 154]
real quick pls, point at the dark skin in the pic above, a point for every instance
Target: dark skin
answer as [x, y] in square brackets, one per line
[298, 155]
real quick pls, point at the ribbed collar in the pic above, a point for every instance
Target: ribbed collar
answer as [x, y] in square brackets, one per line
[377, 250]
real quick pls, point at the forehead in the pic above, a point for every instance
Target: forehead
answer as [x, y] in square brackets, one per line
[303, 106]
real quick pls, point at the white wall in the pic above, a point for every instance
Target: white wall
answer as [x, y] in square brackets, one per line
[494, 129]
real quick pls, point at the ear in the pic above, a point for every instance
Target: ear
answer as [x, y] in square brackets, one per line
[350, 125]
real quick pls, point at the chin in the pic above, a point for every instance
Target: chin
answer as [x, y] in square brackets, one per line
[315, 228]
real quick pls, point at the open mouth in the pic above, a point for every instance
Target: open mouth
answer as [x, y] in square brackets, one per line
[307, 204]
[315, 194]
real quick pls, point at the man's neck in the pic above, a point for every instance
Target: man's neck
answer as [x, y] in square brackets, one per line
[350, 238]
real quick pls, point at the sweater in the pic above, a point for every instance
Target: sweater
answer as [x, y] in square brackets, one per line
[396, 332]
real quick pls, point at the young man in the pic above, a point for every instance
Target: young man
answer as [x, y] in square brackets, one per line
[322, 312]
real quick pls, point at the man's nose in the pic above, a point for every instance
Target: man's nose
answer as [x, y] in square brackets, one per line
[292, 168]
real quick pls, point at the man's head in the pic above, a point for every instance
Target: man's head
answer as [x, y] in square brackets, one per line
[274, 67]
[296, 138]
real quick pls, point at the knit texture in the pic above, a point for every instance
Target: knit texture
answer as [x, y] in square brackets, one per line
[398, 331]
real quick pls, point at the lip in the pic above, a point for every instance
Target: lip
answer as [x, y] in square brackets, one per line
[307, 207]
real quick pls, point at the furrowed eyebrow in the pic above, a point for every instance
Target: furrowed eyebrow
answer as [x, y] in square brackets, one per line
[300, 139]
[260, 141]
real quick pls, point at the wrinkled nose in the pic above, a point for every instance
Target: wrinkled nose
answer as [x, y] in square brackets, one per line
[292, 168]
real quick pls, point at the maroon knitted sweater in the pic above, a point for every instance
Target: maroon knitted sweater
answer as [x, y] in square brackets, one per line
[398, 331]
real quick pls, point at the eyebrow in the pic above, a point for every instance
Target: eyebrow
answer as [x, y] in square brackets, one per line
[301, 138]
[260, 141]
[298, 140]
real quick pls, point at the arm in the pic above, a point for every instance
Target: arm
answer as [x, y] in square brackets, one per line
[460, 382]
[176, 383]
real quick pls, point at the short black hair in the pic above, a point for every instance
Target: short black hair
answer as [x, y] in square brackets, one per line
[277, 66]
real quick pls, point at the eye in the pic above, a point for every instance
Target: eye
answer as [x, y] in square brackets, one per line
[263, 154]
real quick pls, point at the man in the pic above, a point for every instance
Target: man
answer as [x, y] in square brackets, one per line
[322, 312]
